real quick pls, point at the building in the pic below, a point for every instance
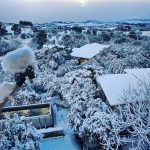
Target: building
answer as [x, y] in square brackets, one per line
[114, 86]
[88, 51]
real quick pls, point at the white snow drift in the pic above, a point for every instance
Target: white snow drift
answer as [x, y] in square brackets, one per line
[6, 89]
[18, 60]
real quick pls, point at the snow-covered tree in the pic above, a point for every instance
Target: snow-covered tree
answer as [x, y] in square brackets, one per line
[134, 118]
[21, 63]
[17, 135]
[118, 57]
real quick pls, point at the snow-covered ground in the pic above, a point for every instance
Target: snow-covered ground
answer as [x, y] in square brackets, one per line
[66, 142]
[59, 143]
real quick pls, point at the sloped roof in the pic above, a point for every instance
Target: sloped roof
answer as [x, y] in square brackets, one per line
[88, 51]
[142, 73]
[114, 85]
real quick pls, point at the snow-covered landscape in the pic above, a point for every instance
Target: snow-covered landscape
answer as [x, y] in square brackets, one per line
[95, 76]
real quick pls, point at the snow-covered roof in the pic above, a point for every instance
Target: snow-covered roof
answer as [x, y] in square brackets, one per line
[114, 85]
[88, 51]
[142, 73]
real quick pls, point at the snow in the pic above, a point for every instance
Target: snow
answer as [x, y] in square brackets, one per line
[146, 33]
[26, 30]
[137, 21]
[65, 142]
[18, 60]
[88, 50]
[142, 73]
[6, 89]
[59, 143]
[48, 46]
[48, 130]
[8, 28]
[114, 86]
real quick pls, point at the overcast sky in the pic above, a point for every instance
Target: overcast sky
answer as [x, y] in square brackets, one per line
[73, 10]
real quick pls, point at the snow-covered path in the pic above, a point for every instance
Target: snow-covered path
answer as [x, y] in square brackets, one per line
[67, 142]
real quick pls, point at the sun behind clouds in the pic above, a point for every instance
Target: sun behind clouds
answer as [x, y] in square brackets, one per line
[83, 2]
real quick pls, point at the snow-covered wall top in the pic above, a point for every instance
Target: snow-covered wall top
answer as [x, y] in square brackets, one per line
[88, 51]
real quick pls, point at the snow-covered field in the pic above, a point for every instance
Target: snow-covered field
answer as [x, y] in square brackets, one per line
[50, 71]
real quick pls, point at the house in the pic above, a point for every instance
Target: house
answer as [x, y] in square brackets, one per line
[114, 86]
[87, 51]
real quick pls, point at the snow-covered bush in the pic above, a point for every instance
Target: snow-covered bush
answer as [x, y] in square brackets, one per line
[18, 61]
[30, 93]
[74, 40]
[16, 28]
[4, 48]
[78, 86]
[98, 127]
[15, 44]
[52, 58]
[3, 30]
[41, 38]
[95, 122]
[17, 135]
[133, 118]
[21, 63]
[118, 57]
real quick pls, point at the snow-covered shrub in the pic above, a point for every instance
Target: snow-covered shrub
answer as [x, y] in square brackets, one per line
[74, 40]
[41, 38]
[16, 28]
[15, 44]
[98, 127]
[118, 57]
[18, 61]
[146, 44]
[94, 67]
[95, 122]
[3, 30]
[52, 58]
[4, 48]
[78, 86]
[133, 118]
[26, 23]
[26, 97]
[69, 66]
[17, 135]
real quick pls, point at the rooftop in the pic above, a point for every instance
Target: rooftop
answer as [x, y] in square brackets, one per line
[114, 85]
[88, 51]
